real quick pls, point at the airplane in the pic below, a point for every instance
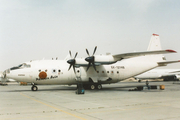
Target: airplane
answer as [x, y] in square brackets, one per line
[92, 71]
[165, 74]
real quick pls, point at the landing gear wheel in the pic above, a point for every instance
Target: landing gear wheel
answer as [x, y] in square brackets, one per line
[92, 87]
[99, 86]
[34, 88]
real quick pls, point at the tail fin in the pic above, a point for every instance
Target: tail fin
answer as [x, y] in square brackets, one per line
[155, 43]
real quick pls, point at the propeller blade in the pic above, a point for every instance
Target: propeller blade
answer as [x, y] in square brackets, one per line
[87, 52]
[88, 66]
[70, 54]
[94, 50]
[74, 69]
[94, 66]
[69, 67]
[75, 55]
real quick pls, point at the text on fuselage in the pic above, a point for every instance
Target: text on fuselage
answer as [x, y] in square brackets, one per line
[117, 67]
[52, 77]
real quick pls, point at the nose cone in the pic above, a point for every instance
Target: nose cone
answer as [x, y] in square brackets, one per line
[71, 61]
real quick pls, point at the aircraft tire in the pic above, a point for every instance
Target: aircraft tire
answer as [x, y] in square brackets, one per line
[92, 87]
[34, 88]
[99, 86]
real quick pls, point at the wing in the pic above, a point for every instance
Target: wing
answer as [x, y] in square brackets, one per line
[136, 54]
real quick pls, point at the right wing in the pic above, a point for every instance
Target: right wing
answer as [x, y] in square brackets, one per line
[136, 54]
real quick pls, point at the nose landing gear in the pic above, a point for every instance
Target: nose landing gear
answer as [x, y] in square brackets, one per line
[34, 87]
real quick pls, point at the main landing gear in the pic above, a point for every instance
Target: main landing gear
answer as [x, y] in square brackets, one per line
[81, 88]
[93, 86]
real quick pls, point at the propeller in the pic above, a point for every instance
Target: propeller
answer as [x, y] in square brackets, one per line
[90, 59]
[72, 61]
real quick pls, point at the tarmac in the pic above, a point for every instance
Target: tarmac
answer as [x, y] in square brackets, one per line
[113, 102]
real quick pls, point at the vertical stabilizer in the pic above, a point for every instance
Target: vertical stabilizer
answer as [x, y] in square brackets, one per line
[155, 43]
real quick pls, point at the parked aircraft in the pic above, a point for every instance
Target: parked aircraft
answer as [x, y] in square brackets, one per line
[165, 74]
[92, 71]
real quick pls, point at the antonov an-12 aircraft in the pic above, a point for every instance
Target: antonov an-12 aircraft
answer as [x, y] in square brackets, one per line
[92, 71]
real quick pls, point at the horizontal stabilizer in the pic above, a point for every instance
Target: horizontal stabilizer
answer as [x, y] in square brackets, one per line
[175, 71]
[136, 54]
[167, 62]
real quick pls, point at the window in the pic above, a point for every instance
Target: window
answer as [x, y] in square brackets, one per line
[26, 65]
[112, 72]
[107, 71]
[53, 70]
[117, 72]
[102, 71]
[21, 66]
[59, 70]
[97, 71]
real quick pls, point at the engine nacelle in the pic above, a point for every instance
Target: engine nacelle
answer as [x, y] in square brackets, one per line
[98, 60]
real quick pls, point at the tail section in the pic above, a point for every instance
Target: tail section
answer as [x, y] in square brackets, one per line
[155, 43]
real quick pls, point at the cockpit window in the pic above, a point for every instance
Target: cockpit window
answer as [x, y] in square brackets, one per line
[21, 66]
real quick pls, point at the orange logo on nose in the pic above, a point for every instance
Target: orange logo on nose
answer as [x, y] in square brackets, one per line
[42, 75]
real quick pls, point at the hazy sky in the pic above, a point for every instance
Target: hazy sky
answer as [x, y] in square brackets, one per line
[37, 29]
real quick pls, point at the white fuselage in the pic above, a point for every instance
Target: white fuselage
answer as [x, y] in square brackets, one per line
[57, 71]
